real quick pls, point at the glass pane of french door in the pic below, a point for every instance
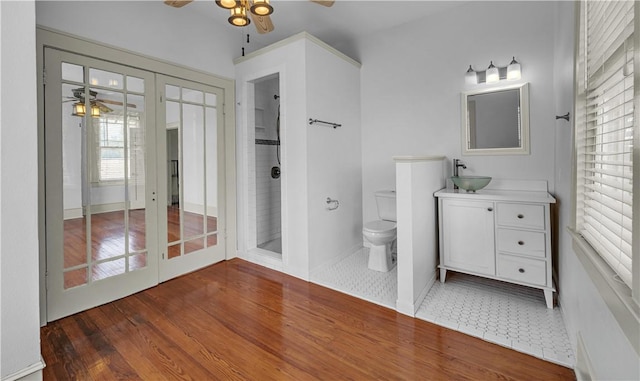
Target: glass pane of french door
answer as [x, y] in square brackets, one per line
[100, 182]
[194, 185]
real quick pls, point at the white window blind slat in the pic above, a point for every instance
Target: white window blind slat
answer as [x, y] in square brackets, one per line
[613, 259]
[604, 138]
[611, 203]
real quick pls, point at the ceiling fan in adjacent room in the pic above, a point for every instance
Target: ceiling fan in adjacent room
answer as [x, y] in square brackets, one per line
[98, 106]
[245, 11]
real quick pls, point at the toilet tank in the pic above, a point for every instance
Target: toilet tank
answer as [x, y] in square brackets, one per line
[386, 201]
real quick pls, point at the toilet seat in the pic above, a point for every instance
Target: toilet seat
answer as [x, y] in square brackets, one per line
[379, 226]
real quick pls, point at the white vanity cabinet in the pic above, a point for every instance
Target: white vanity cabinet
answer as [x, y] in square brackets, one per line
[468, 229]
[497, 234]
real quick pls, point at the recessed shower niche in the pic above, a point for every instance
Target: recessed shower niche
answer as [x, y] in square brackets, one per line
[268, 164]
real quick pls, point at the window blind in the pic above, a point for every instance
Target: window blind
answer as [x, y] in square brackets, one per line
[605, 140]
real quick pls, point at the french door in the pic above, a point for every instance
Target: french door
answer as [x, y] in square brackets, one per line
[133, 191]
[190, 127]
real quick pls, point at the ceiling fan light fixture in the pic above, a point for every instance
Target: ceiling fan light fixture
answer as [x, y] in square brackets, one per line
[95, 111]
[261, 8]
[239, 16]
[227, 4]
[79, 109]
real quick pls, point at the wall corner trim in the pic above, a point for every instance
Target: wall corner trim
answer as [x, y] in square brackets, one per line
[29, 373]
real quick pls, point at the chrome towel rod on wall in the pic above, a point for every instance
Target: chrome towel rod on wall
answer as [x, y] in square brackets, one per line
[334, 125]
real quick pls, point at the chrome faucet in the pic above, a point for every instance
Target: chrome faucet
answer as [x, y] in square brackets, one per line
[457, 164]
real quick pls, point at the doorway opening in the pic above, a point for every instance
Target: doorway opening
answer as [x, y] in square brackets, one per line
[268, 164]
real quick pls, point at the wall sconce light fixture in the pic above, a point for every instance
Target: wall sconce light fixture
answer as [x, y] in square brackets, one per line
[471, 77]
[513, 70]
[494, 74]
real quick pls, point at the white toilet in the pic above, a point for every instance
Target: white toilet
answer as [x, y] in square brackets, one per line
[382, 233]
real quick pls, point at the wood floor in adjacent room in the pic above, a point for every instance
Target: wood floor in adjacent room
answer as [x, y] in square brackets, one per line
[239, 321]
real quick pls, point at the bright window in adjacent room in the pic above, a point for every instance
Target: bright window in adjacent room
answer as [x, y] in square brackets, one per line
[111, 148]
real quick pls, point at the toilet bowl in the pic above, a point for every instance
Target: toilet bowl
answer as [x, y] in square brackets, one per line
[381, 234]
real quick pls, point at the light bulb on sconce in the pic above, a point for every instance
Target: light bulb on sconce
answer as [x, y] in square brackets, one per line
[513, 70]
[493, 75]
[471, 77]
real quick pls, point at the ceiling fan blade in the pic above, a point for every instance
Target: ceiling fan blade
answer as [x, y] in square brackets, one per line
[263, 23]
[104, 108]
[115, 103]
[177, 3]
[326, 3]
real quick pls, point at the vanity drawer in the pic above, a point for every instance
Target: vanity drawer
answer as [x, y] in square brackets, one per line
[521, 215]
[522, 242]
[519, 269]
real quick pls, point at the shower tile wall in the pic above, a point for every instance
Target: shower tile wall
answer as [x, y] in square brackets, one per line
[268, 205]
[267, 195]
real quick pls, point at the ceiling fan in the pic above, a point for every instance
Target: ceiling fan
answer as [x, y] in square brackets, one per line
[98, 106]
[258, 11]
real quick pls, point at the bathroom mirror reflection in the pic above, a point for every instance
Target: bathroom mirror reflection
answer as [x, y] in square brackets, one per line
[495, 121]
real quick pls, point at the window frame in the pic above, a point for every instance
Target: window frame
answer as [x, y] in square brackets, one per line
[126, 148]
[622, 301]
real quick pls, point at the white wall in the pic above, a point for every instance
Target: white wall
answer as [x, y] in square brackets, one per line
[20, 329]
[317, 161]
[334, 167]
[289, 62]
[148, 27]
[412, 77]
[584, 310]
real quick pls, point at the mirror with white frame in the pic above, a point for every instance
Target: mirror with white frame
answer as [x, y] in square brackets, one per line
[495, 121]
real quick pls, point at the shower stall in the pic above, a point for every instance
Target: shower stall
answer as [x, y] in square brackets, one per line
[268, 164]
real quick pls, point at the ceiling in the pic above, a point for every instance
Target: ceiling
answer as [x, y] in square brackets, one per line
[339, 26]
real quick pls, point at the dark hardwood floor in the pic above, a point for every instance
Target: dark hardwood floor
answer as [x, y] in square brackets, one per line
[239, 321]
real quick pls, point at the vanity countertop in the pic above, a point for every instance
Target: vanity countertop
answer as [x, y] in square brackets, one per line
[536, 196]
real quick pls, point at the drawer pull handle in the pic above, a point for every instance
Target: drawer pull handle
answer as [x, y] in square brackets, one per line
[490, 209]
[520, 243]
[521, 216]
[521, 270]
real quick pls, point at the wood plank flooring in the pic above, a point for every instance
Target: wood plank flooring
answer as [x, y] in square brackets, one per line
[108, 242]
[239, 321]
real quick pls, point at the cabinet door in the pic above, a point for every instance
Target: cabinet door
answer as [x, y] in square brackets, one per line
[468, 235]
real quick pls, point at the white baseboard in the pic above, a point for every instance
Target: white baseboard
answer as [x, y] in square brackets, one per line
[410, 309]
[263, 258]
[31, 373]
[337, 258]
[73, 213]
[190, 207]
[405, 308]
[425, 291]
[583, 368]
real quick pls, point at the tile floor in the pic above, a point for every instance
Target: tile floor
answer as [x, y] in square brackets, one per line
[509, 315]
